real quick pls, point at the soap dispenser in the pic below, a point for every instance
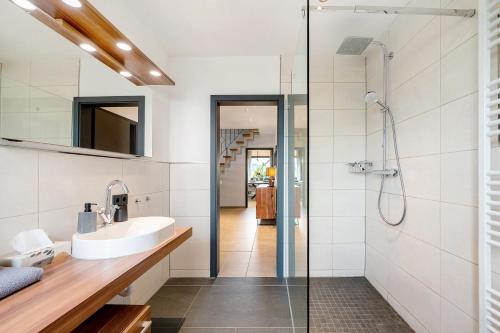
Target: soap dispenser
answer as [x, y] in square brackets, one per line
[87, 220]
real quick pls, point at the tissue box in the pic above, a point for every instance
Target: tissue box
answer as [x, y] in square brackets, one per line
[36, 258]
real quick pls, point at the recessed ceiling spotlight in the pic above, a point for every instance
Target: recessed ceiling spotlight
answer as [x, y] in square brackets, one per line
[87, 47]
[323, 0]
[319, 8]
[124, 46]
[155, 73]
[25, 4]
[73, 3]
[125, 73]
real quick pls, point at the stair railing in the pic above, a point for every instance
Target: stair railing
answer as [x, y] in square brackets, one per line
[227, 137]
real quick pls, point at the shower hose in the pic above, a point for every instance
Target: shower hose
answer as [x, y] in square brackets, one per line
[400, 175]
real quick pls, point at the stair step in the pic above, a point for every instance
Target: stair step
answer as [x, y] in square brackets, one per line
[240, 142]
[246, 135]
[234, 149]
[227, 156]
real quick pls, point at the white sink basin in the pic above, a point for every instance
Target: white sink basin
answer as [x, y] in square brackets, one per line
[123, 238]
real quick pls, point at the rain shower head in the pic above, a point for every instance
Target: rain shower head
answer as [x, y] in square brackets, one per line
[372, 98]
[354, 45]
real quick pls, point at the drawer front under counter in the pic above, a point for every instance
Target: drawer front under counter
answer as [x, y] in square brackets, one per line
[118, 319]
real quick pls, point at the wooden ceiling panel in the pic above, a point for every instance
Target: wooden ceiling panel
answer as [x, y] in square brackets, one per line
[87, 25]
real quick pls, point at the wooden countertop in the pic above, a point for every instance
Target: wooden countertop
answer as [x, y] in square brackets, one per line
[72, 289]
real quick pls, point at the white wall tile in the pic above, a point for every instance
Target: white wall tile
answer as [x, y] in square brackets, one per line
[191, 255]
[460, 283]
[349, 203]
[348, 229]
[321, 96]
[349, 122]
[459, 72]
[419, 135]
[190, 203]
[320, 176]
[343, 179]
[320, 203]
[421, 176]
[61, 224]
[19, 179]
[142, 176]
[321, 150]
[71, 180]
[189, 177]
[417, 95]
[349, 256]
[349, 148]
[349, 95]
[320, 257]
[320, 229]
[459, 230]
[459, 124]
[419, 259]
[456, 321]
[12, 226]
[459, 180]
[456, 30]
[321, 122]
[321, 68]
[422, 219]
[349, 69]
[406, 65]
[420, 301]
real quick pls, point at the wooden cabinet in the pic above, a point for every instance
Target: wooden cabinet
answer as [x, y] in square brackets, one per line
[266, 203]
[118, 319]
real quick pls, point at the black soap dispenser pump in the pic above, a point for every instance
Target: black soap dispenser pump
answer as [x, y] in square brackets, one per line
[87, 220]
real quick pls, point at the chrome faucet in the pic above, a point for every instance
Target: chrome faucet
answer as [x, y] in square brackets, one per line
[108, 212]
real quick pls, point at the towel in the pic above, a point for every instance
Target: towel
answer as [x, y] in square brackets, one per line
[14, 279]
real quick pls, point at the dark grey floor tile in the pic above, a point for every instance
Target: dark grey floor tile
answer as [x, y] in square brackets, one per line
[240, 306]
[250, 281]
[298, 305]
[297, 281]
[167, 322]
[173, 301]
[190, 282]
[207, 330]
[264, 330]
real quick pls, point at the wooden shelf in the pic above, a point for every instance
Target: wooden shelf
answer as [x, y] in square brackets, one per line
[72, 290]
[87, 25]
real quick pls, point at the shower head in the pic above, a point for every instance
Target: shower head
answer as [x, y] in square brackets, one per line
[372, 98]
[354, 45]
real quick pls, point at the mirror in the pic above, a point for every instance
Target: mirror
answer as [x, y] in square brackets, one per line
[53, 92]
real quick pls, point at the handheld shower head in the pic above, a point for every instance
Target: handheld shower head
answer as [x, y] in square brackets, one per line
[372, 98]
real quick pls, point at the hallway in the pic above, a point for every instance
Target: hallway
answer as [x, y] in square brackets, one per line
[247, 249]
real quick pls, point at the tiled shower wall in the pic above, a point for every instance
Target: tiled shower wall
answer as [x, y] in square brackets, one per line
[337, 136]
[427, 267]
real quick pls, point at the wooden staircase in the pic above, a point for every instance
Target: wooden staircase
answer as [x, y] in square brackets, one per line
[232, 148]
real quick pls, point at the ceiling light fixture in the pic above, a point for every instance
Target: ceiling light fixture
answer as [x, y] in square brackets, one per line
[124, 46]
[73, 3]
[87, 47]
[319, 8]
[25, 4]
[125, 73]
[155, 73]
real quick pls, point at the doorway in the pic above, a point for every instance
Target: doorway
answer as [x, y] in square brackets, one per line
[242, 242]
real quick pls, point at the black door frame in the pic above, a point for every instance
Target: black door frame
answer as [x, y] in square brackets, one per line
[215, 102]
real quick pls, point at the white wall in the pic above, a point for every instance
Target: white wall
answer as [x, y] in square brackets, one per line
[337, 136]
[189, 135]
[232, 181]
[427, 267]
